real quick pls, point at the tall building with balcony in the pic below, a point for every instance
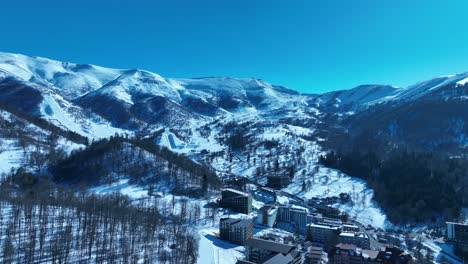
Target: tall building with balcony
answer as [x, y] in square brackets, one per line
[236, 200]
[236, 231]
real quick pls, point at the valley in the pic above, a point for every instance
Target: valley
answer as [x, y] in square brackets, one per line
[175, 143]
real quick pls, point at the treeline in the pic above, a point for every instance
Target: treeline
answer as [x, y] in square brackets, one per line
[44, 124]
[43, 222]
[410, 187]
[236, 135]
[142, 161]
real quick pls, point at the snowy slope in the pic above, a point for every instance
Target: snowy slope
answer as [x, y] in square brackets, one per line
[99, 102]
[359, 96]
[71, 79]
[422, 89]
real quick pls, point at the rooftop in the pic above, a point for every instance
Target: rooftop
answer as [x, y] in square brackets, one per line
[280, 259]
[235, 191]
[352, 234]
[454, 223]
[243, 223]
[370, 253]
[324, 226]
[346, 246]
[269, 245]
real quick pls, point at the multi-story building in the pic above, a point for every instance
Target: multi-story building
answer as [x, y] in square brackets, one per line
[361, 240]
[320, 233]
[265, 251]
[350, 228]
[267, 215]
[236, 200]
[314, 255]
[314, 218]
[236, 231]
[457, 232]
[328, 211]
[351, 254]
[299, 217]
[284, 213]
[296, 218]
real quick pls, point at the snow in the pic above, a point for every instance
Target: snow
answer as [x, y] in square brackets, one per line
[10, 157]
[212, 250]
[171, 141]
[441, 250]
[73, 79]
[463, 82]
[361, 95]
[330, 183]
[61, 113]
[122, 186]
[138, 82]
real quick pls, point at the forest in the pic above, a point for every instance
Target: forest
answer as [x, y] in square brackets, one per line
[45, 222]
[412, 187]
[142, 161]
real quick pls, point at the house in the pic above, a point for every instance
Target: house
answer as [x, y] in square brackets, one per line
[269, 252]
[236, 200]
[236, 231]
[267, 215]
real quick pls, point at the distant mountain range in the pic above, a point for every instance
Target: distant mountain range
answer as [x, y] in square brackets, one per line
[229, 126]
[97, 102]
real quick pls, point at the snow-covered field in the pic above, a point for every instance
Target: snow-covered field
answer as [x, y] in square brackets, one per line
[213, 250]
[10, 156]
[330, 183]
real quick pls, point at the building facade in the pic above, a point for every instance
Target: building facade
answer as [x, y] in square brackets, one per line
[267, 215]
[236, 231]
[351, 254]
[266, 251]
[361, 240]
[320, 233]
[236, 200]
[457, 232]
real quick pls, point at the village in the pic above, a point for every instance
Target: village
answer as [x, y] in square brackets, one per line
[315, 232]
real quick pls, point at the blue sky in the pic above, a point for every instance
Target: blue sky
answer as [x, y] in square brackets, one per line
[308, 45]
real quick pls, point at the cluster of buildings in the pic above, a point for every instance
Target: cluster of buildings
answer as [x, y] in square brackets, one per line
[352, 254]
[352, 245]
[266, 251]
[314, 225]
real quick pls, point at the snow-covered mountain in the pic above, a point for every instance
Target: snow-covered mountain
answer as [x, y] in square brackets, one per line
[237, 126]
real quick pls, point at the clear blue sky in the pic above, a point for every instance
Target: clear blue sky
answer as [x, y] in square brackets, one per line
[308, 45]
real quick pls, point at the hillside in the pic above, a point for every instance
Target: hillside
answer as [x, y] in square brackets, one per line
[240, 128]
